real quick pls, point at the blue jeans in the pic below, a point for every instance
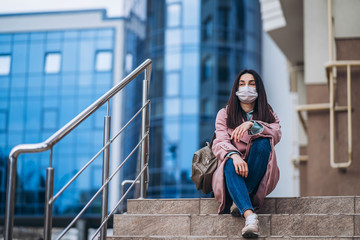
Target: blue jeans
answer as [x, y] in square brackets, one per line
[239, 189]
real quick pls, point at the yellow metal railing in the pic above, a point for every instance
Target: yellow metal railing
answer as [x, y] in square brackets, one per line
[330, 67]
[330, 74]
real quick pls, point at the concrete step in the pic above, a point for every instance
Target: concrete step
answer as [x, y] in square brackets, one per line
[321, 225]
[297, 205]
[226, 237]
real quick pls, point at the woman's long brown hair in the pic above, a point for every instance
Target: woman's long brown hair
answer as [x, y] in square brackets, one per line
[262, 110]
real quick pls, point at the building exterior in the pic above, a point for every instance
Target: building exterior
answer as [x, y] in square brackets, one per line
[54, 65]
[321, 40]
[197, 48]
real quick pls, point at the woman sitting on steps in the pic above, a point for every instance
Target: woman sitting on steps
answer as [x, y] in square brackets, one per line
[246, 133]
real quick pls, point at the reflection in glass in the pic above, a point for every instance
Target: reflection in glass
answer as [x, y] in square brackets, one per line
[52, 63]
[173, 37]
[5, 61]
[208, 29]
[172, 84]
[173, 61]
[173, 15]
[103, 61]
[223, 23]
[172, 106]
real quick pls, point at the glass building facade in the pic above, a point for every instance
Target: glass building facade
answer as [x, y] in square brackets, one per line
[53, 76]
[47, 77]
[197, 48]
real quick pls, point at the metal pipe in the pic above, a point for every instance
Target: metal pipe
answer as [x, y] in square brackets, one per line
[100, 189]
[51, 141]
[105, 192]
[95, 156]
[123, 183]
[332, 119]
[56, 137]
[118, 203]
[48, 205]
[349, 104]
[342, 63]
[10, 199]
[143, 145]
[330, 29]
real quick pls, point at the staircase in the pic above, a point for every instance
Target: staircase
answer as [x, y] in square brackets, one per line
[280, 218]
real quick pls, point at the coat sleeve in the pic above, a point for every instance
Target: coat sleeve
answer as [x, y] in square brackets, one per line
[222, 144]
[272, 129]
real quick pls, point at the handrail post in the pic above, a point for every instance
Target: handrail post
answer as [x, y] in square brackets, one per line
[144, 125]
[10, 199]
[48, 205]
[105, 192]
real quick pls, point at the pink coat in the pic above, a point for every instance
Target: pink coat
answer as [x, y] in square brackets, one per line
[223, 145]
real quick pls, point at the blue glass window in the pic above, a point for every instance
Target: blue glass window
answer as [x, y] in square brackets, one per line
[54, 35]
[37, 36]
[103, 61]
[208, 29]
[5, 37]
[71, 34]
[190, 106]
[16, 116]
[5, 47]
[86, 55]
[50, 119]
[4, 83]
[33, 114]
[172, 84]
[173, 15]
[172, 106]
[53, 63]
[173, 37]
[129, 62]
[5, 63]
[173, 61]
[36, 54]
[21, 37]
[207, 65]
[3, 120]
[105, 33]
[53, 45]
[19, 57]
[104, 44]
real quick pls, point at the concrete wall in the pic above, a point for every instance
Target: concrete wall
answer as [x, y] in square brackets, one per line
[277, 84]
[347, 18]
[317, 177]
[316, 46]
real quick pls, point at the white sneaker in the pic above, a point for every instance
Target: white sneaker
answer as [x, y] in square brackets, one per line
[251, 229]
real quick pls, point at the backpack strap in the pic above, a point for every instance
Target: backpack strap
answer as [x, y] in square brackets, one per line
[212, 140]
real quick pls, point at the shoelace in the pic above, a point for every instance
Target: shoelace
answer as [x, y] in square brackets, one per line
[251, 220]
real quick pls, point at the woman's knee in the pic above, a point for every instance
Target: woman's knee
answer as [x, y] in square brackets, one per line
[261, 144]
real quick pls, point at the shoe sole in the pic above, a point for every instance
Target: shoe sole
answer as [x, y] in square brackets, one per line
[250, 234]
[235, 213]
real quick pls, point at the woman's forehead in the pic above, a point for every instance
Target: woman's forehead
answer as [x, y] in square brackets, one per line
[247, 77]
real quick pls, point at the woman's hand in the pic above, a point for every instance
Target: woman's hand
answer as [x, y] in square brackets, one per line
[241, 167]
[240, 130]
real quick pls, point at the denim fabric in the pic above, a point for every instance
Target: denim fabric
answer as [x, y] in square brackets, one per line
[238, 188]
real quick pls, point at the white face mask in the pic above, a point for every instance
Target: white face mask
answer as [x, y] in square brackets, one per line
[247, 94]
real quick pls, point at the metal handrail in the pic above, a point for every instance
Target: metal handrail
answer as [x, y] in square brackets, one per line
[332, 108]
[329, 69]
[61, 133]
